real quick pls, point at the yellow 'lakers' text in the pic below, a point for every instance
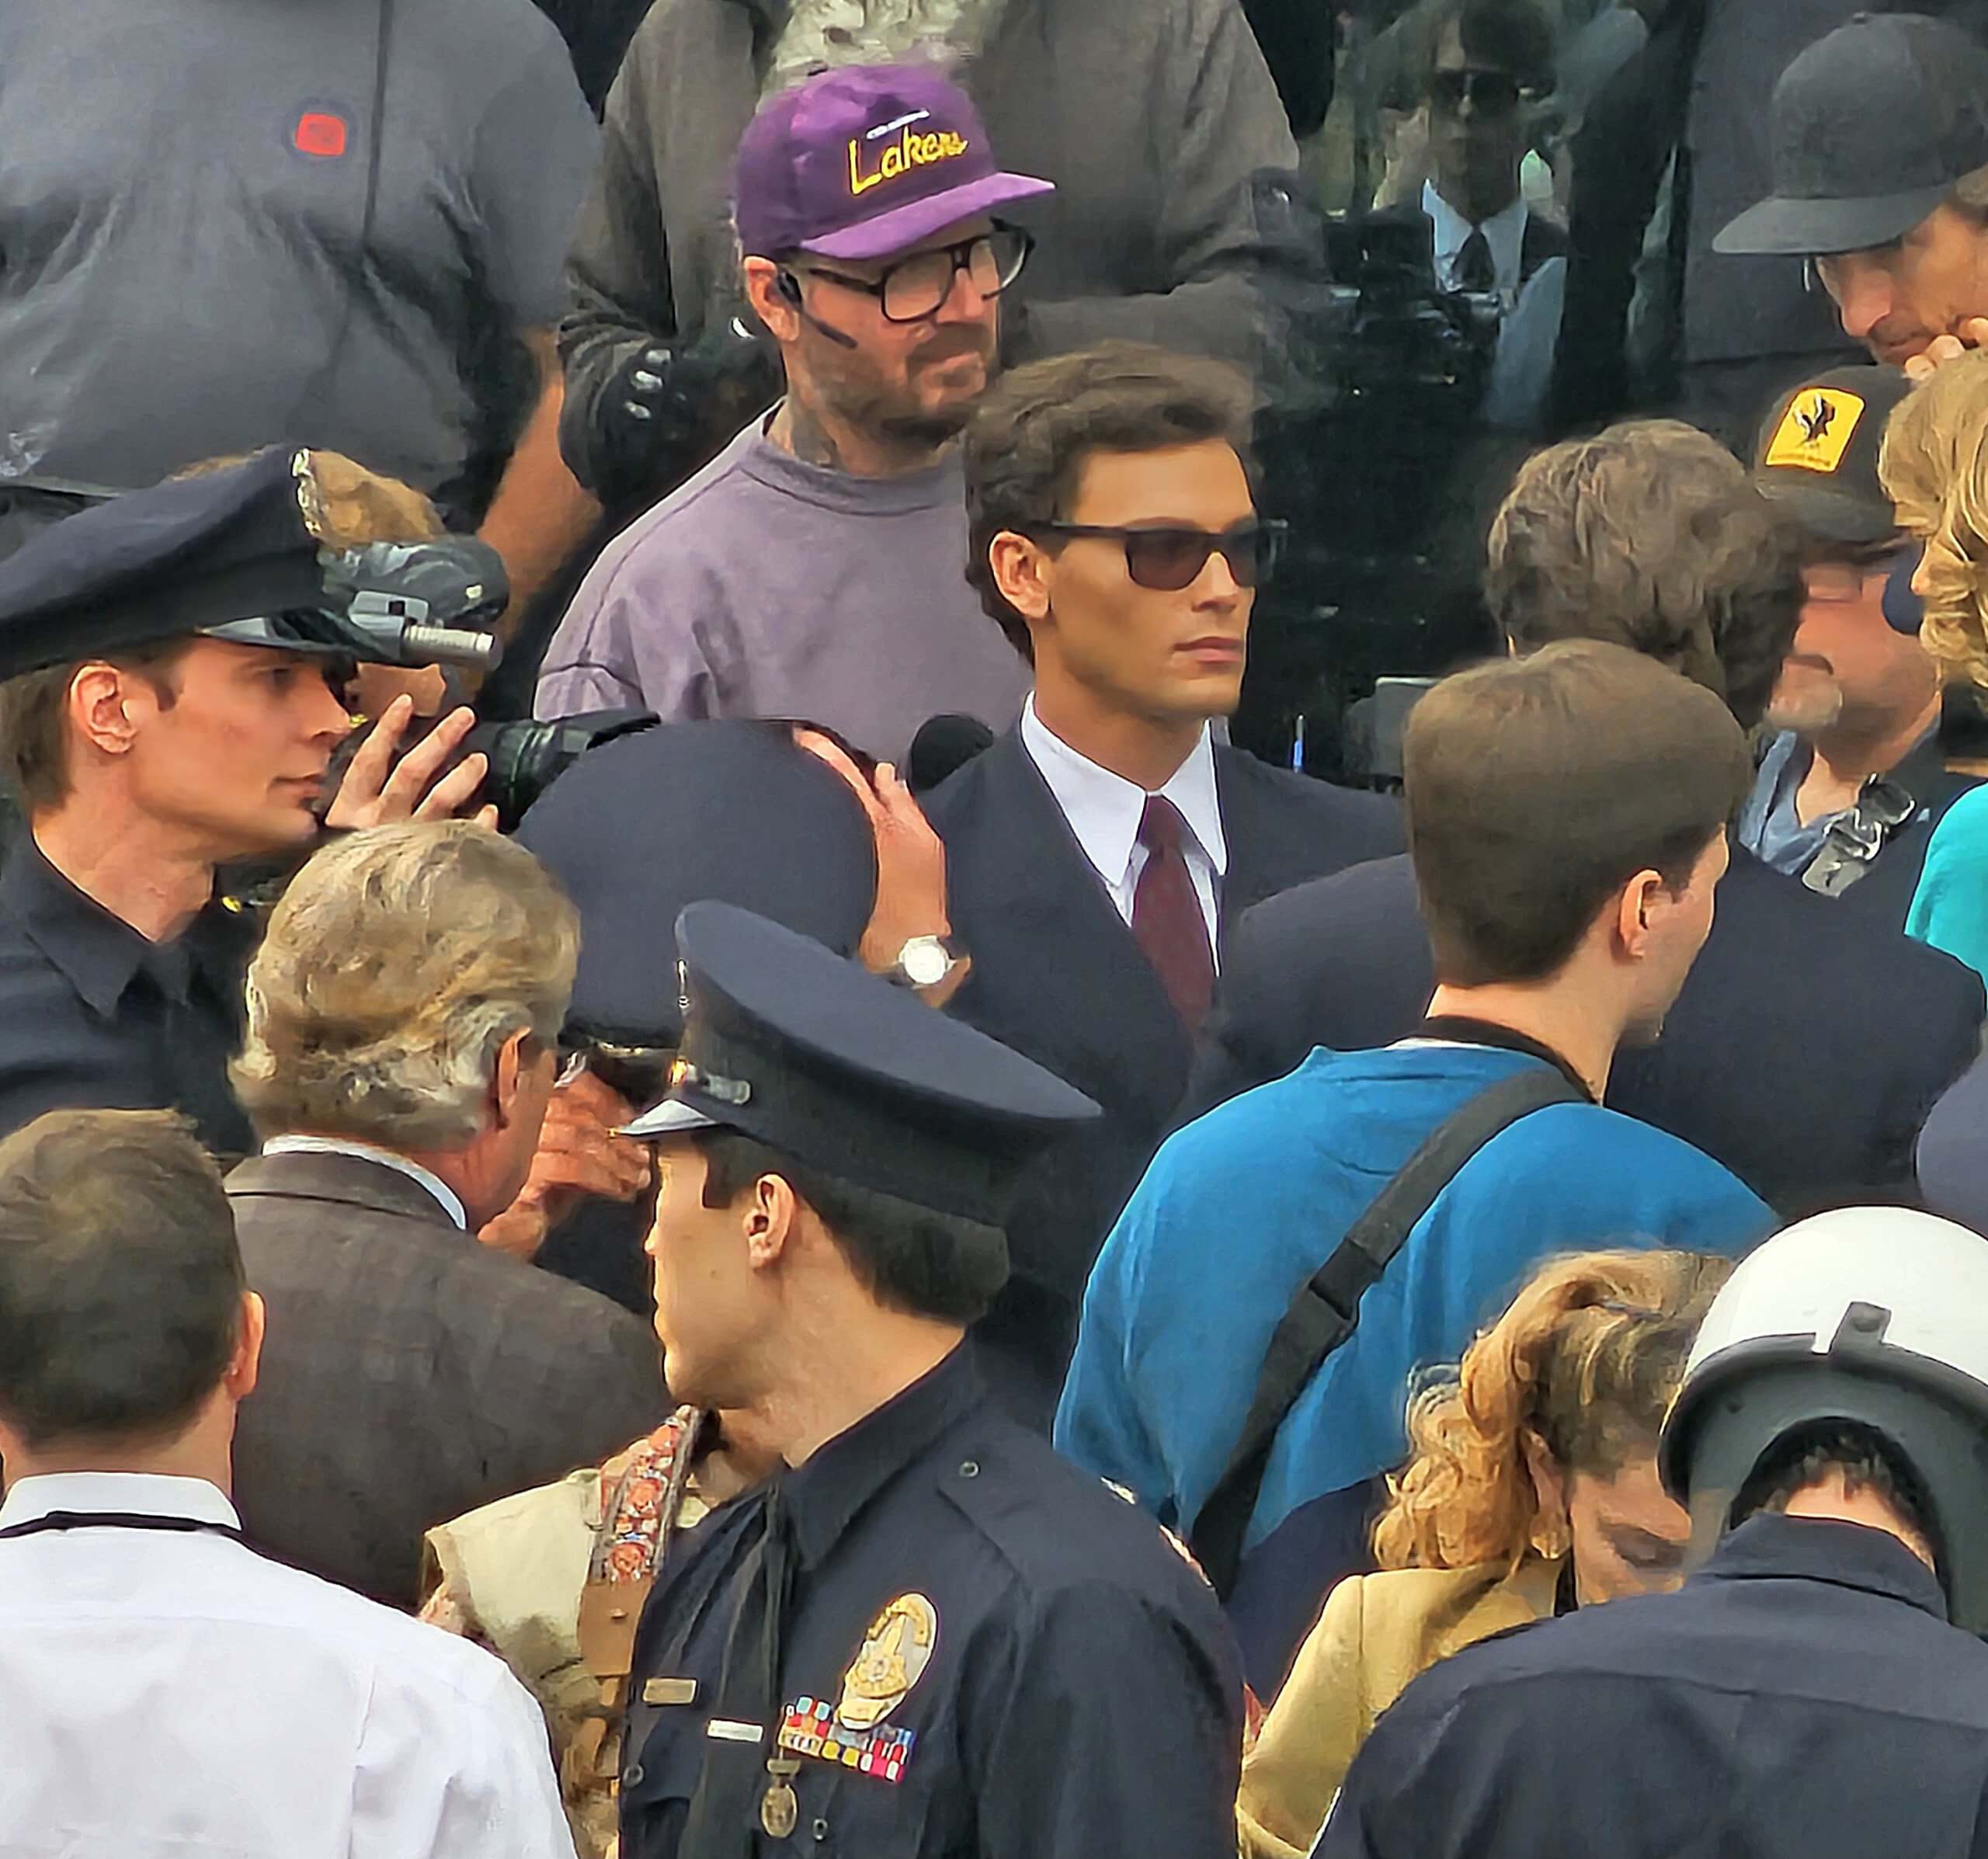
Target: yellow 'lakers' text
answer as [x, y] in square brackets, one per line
[909, 151]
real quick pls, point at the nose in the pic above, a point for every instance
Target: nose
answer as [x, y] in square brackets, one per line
[1863, 293]
[1217, 584]
[1921, 582]
[321, 712]
[965, 302]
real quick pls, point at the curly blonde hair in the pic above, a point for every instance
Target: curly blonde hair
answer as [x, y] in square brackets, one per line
[1587, 1358]
[1934, 467]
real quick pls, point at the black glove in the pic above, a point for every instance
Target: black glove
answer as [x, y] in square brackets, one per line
[666, 410]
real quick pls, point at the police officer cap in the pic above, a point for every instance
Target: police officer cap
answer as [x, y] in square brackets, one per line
[790, 1043]
[1869, 1316]
[228, 553]
[644, 825]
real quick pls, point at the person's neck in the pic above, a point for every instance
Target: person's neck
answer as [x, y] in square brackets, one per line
[839, 1367]
[147, 875]
[1476, 212]
[1831, 1499]
[1146, 751]
[1846, 755]
[202, 1451]
[1560, 1017]
[817, 436]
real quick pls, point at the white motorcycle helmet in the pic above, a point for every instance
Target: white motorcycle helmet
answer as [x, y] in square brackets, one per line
[1877, 1316]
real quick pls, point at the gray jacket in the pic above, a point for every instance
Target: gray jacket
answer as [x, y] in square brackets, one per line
[1157, 120]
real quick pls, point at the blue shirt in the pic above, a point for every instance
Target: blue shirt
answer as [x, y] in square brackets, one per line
[1240, 1208]
[1950, 907]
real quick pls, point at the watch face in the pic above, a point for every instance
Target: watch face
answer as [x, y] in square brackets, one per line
[924, 961]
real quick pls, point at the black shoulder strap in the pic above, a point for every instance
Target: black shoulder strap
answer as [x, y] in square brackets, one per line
[1326, 1308]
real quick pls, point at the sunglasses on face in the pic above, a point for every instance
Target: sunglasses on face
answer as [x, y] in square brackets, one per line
[1491, 93]
[1168, 558]
[916, 287]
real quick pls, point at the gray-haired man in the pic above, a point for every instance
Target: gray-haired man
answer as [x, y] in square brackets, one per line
[403, 1012]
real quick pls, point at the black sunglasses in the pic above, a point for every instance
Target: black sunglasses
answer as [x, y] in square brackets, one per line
[916, 288]
[1168, 558]
[1492, 93]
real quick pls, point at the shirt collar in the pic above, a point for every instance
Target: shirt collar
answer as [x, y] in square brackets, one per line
[823, 1497]
[1504, 232]
[1825, 1549]
[129, 1493]
[1104, 809]
[451, 1202]
[95, 950]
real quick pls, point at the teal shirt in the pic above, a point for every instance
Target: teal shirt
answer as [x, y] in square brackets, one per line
[1950, 908]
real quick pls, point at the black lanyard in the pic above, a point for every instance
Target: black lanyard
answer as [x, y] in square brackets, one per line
[1461, 1030]
[53, 1521]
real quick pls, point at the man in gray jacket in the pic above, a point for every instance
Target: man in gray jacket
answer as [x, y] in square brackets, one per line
[1157, 120]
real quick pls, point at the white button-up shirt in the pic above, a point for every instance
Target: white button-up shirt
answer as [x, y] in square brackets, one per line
[169, 1695]
[450, 1201]
[1104, 811]
[1504, 232]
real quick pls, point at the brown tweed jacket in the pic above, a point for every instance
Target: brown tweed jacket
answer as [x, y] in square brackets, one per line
[410, 1375]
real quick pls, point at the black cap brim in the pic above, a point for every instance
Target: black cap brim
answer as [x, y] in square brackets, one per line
[1826, 513]
[1805, 228]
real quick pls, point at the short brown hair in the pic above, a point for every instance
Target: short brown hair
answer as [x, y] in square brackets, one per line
[1029, 441]
[1538, 787]
[350, 507]
[1653, 536]
[398, 963]
[121, 1281]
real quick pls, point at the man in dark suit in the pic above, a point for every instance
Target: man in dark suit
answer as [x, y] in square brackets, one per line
[1809, 1043]
[404, 1013]
[1098, 854]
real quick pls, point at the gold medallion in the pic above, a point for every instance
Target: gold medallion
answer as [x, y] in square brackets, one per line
[892, 1658]
[779, 1808]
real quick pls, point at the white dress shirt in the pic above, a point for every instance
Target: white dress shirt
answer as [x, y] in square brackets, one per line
[173, 1695]
[1504, 232]
[451, 1202]
[1104, 810]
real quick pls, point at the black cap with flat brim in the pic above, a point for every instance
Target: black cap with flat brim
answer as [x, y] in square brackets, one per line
[1870, 128]
[228, 553]
[789, 1043]
[1816, 456]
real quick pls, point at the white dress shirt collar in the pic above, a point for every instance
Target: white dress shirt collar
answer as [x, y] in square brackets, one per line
[451, 1202]
[1104, 809]
[134, 1493]
[1504, 232]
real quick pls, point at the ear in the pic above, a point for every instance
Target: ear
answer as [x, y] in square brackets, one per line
[1636, 910]
[760, 279]
[1022, 570]
[508, 1077]
[245, 1365]
[770, 1217]
[1549, 1484]
[107, 708]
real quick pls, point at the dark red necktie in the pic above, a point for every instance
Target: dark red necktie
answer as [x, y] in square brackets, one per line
[1166, 915]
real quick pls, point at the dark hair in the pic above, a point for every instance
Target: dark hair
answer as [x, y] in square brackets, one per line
[1537, 787]
[121, 1282]
[34, 711]
[1865, 1458]
[1029, 441]
[1653, 536]
[907, 1257]
[1512, 36]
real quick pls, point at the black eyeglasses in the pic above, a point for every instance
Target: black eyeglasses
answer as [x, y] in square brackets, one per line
[916, 287]
[1492, 93]
[1168, 558]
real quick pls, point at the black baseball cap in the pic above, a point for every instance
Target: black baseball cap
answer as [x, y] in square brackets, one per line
[1817, 454]
[1870, 128]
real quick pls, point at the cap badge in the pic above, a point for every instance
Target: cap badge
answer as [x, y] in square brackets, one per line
[912, 150]
[891, 1660]
[714, 1085]
[1816, 431]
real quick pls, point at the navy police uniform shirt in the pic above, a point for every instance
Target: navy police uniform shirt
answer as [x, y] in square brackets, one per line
[984, 1652]
[1802, 1698]
[93, 1014]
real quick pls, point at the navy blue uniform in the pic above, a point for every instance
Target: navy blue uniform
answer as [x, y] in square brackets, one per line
[93, 1014]
[1802, 1697]
[1072, 1692]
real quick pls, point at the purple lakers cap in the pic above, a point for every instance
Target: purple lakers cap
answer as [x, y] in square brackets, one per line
[865, 162]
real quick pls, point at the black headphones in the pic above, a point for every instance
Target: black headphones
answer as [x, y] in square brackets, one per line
[788, 287]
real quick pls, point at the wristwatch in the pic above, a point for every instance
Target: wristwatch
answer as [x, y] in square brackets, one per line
[925, 962]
